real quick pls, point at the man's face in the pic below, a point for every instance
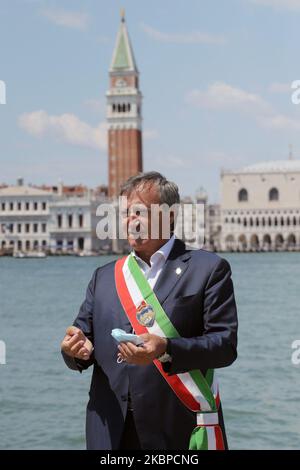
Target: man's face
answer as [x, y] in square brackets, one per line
[137, 218]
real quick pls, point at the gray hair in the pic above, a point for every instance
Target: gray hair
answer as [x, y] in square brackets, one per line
[168, 190]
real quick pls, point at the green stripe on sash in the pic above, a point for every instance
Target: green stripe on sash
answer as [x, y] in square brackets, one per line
[203, 384]
[199, 439]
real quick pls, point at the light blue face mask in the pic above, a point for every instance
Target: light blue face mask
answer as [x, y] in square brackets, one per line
[122, 337]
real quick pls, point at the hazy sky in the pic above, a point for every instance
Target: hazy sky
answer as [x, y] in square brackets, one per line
[215, 75]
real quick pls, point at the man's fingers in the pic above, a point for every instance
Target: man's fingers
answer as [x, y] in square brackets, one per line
[74, 340]
[73, 330]
[124, 350]
[76, 347]
[71, 346]
[132, 348]
[83, 353]
[129, 350]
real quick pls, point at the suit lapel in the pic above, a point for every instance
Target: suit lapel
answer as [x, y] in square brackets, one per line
[173, 270]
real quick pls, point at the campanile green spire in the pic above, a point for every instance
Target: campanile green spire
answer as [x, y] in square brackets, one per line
[123, 57]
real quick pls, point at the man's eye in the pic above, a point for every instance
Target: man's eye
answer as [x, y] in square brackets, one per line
[138, 212]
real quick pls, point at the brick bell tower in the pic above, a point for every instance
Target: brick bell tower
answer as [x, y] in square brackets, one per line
[124, 114]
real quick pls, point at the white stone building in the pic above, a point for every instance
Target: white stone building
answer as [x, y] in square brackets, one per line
[35, 219]
[213, 227]
[192, 224]
[24, 218]
[260, 207]
[71, 224]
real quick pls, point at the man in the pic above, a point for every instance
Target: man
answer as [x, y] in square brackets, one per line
[134, 402]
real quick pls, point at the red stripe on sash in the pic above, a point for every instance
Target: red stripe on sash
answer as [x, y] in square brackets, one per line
[130, 309]
[218, 401]
[219, 438]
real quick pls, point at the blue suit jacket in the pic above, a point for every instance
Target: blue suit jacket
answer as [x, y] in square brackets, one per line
[200, 303]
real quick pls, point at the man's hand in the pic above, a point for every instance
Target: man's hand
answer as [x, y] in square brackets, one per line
[153, 347]
[76, 344]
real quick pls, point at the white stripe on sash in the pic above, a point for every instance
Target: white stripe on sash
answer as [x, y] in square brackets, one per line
[211, 438]
[207, 419]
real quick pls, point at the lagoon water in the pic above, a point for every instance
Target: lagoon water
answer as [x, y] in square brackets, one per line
[42, 403]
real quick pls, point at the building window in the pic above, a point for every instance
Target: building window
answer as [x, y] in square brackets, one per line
[11, 206]
[35, 228]
[59, 244]
[243, 195]
[27, 244]
[80, 243]
[59, 220]
[27, 206]
[35, 206]
[44, 243]
[44, 206]
[44, 226]
[70, 220]
[3, 206]
[27, 228]
[113, 107]
[273, 194]
[19, 228]
[80, 220]
[19, 244]
[19, 206]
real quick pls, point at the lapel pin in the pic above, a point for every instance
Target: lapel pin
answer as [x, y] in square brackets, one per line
[178, 271]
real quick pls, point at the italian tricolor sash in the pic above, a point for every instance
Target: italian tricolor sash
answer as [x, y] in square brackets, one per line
[198, 393]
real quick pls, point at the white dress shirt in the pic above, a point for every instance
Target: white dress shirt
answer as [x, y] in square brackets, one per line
[157, 262]
[152, 272]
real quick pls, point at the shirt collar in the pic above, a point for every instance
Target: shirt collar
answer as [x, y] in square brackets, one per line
[164, 250]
